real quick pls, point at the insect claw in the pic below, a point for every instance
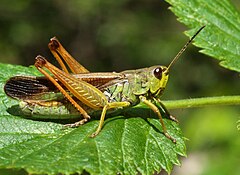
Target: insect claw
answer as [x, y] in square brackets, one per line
[169, 137]
[71, 125]
[76, 124]
[93, 134]
[173, 119]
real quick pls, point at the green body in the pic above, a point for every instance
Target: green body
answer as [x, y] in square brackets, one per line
[127, 87]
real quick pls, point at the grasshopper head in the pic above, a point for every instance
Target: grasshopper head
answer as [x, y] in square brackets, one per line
[160, 74]
[158, 79]
[154, 79]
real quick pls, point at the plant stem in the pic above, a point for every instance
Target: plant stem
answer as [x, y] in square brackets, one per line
[202, 102]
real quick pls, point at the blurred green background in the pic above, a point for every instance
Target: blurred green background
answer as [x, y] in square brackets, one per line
[118, 35]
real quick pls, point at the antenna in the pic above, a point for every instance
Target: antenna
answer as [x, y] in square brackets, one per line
[184, 48]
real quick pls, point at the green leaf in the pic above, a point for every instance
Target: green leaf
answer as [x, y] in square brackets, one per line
[130, 143]
[220, 38]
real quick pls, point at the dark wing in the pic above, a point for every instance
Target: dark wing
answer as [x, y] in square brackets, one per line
[29, 88]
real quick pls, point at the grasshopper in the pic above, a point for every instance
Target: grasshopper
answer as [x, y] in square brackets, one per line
[81, 92]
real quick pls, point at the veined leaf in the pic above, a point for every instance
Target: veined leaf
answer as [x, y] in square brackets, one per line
[220, 38]
[128, 144]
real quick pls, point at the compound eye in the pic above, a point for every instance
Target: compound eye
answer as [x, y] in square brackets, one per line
[158, 73]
